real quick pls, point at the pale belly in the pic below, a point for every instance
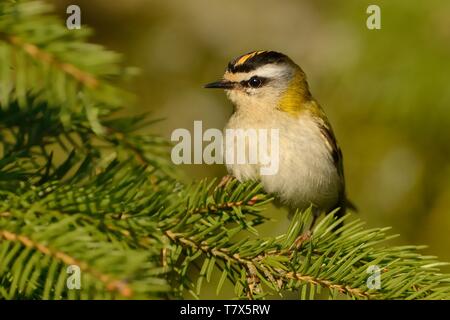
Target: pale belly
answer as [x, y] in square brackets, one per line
[306, 173]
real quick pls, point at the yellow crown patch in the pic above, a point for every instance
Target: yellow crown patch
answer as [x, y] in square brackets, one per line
[247, 56]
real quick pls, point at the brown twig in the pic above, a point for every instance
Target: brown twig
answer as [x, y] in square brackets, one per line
[328, 284]
[254, 263]
[111, 284]
[35, 52]
[225, 205]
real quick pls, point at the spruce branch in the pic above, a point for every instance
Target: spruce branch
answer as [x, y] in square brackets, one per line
[110, 284]
[50, 248]
[34, 52]
[81, 186]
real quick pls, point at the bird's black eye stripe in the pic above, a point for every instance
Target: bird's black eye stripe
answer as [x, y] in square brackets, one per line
[254, 82]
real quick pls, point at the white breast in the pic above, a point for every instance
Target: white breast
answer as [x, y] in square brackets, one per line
[306, 175]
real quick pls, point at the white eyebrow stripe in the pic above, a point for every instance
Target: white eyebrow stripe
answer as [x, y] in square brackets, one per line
[266, 71]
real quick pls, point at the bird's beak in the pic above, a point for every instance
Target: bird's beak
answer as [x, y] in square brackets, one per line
[222, 84]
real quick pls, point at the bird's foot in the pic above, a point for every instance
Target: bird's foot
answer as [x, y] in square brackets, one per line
[305, 236]
[225, 180]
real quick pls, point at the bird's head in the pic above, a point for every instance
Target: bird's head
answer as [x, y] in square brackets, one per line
[264, 80]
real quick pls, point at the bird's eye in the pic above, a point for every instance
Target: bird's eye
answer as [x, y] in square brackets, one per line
[255, 82]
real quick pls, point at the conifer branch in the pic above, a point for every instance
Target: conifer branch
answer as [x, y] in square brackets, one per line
[113, 206]
[254, 264]
[110, 283]
[35, 52]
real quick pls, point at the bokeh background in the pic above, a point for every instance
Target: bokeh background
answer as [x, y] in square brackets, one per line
[386, 92]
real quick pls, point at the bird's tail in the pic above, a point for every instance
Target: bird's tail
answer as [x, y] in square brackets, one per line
[350, 205]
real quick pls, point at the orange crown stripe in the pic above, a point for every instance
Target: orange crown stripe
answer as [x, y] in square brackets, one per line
[247, 56]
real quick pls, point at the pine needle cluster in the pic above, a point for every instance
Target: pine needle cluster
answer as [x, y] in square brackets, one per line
[81, 186]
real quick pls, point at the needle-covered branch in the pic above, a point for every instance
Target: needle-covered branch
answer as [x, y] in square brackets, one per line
[82, 188]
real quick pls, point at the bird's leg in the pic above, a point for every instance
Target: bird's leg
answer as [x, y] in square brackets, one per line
[305, 236]
[225, 180]
[313, 222]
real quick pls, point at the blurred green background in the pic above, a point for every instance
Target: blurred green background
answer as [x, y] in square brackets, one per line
[386, 92]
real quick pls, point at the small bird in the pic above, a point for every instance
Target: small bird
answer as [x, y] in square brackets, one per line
[269, 91]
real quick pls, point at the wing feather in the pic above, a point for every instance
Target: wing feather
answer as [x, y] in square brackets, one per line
[337, 157]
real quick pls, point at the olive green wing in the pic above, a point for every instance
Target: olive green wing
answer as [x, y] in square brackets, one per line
[336, 155]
